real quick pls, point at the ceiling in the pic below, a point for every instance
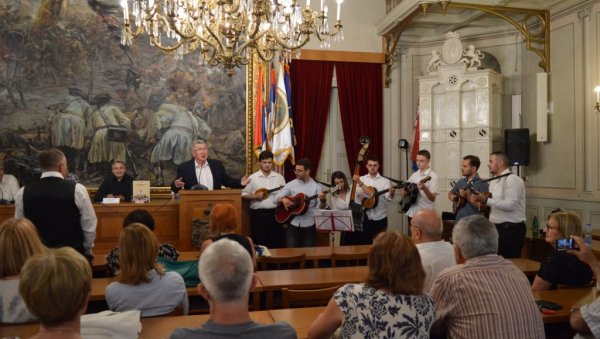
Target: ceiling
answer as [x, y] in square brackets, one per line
[468, 22]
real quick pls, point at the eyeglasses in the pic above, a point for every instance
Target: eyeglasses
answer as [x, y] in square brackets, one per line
[552, 227]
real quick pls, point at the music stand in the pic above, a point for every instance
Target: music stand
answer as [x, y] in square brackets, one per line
[330, 220]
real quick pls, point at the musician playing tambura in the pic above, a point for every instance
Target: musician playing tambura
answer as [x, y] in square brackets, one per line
[508, 206]
[427, 191]
[265, 230]
[461, 192]
[375, 220]
[301, 229]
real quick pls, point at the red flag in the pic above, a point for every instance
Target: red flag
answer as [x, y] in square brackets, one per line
[416, 138]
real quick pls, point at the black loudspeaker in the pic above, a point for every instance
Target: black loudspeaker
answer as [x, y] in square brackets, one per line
[516, 145]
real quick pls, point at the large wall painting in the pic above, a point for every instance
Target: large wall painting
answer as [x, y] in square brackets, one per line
[65, 77]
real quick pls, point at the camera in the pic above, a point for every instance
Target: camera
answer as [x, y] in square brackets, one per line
[565, 244]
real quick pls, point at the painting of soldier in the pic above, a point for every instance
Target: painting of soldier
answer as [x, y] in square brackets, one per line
[73, 86]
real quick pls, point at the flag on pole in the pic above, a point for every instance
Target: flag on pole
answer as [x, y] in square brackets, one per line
[288, 90]
[282, 135]
[271, 110]
[259, 119]
[416, 138]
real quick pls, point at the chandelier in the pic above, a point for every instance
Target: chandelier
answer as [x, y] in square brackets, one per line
[226, 32]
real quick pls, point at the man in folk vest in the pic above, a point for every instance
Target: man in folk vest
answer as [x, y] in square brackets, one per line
[60, 209]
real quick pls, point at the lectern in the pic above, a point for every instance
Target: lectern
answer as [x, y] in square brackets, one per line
[194, 204]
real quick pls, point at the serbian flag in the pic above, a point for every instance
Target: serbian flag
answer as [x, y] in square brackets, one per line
[260, 134]
[415, 148]
[282, 135]
[288, 90]
[271, 110]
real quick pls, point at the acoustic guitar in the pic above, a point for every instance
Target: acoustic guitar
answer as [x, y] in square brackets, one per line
[267, 192]
[411, 194]
[485, 209]
[300, 206]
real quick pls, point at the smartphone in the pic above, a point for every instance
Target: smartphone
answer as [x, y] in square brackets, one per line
[565, 244]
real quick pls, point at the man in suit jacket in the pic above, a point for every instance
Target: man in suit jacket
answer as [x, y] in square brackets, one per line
[207, 172]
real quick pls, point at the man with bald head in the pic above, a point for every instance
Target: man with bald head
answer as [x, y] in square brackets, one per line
[508, 206]
[60, 209]
[436, 254]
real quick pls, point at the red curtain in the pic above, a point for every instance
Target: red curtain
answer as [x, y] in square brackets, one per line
[360, 89]
[311, 91]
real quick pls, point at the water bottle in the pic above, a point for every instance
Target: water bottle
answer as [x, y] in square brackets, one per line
[535, 228]
[587, 235]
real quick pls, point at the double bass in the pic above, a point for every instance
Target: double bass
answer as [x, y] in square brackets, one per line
[358, 211]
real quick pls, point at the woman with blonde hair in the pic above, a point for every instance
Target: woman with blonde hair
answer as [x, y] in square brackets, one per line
[141, 283]
[390, 303]
[56, 287]
[223, 222]
[19, 241]
[561, 268]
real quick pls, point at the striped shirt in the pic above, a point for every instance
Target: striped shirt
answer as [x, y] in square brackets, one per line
[591, 315]
[486, 297]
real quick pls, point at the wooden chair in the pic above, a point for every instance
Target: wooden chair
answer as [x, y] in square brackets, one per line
[350, 259]
[283, 263]
[305, 298]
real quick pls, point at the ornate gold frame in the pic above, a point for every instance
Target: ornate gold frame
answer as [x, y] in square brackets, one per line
[531, 38]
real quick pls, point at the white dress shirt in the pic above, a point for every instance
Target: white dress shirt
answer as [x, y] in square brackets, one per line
[336, 203]
[9, 186]
[435, 256]
[422, 201]
[204, 175]
[508, 199]
[88, 218]
[380, 183]
[259, 180]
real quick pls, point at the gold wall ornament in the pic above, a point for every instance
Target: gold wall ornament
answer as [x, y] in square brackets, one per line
[226, 32]
[533, 24]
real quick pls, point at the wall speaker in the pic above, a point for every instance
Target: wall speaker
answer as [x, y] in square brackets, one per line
[516, 145]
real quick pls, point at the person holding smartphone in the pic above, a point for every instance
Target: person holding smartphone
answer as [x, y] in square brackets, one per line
[560, 268]
[586, 319]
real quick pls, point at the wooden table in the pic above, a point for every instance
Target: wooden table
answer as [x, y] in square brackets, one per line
[312, 253]
[157, 327]
[527, 266]
[99, 287]
[299, 318]
[567, 298]
[309, 278]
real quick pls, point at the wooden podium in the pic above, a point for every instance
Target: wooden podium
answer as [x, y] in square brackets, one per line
[194, 204]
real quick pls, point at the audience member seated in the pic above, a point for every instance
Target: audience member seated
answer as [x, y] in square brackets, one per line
[56, 287]
[141, 216]
[18, 241]
[141, 284]
[118, 185]
[485, 295]
[390, 303]
[226, 275]
[223, 222]
[9, 186]
[436, 254]
[586, 319]
[560, 267]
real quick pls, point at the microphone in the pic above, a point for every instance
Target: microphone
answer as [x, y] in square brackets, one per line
[199, 187]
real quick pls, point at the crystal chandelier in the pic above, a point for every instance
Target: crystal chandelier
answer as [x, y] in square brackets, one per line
[225, 32]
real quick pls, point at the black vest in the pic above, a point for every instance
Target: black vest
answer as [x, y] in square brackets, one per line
[50, 204]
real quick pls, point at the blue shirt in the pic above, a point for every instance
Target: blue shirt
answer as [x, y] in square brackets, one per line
[308, 188]
[468, 208]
